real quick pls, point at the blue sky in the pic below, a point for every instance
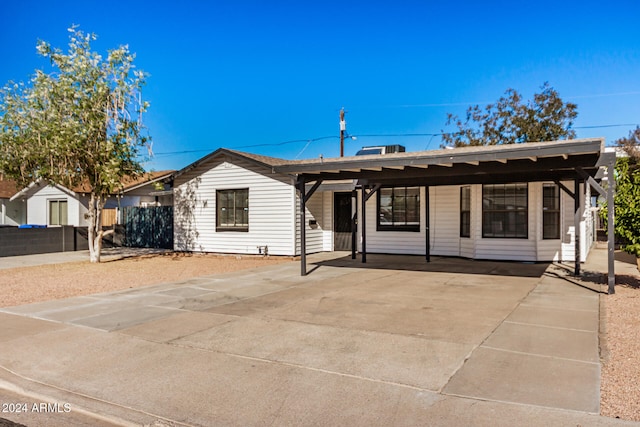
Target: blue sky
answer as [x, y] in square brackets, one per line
[254, 75]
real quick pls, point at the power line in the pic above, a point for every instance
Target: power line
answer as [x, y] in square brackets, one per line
[308, 141]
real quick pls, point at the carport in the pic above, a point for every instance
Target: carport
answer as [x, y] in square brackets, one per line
[579, 161]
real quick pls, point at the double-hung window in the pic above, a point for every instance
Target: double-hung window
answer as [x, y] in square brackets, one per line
[505, 211]
[58, 214]
[550, 211]
[399, 209]
[232, 210]
[465, 211]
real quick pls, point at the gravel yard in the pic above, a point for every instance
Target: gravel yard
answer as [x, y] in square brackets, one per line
[620, 387]
[26, 285]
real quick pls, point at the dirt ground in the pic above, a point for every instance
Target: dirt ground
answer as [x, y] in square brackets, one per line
[26, 285]
[620, 387]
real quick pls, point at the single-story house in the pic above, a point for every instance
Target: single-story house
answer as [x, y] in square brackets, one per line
[11, 212]
[523, 202]
[53, 205]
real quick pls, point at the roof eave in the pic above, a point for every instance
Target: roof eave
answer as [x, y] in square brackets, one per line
[424, 158]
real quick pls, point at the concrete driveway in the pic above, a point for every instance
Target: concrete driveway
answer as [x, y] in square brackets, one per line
[393, 342]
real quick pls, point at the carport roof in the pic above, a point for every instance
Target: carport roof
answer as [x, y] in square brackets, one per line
[537, 161]
[534, 161]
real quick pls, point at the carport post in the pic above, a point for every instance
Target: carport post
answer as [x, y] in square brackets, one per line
[576, 224]
[303, 231]
[354, 222]
[427, 232]
[611, 189]
[364, 224]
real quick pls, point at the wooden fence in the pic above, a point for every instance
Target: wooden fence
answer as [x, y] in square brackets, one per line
[150, 227]
[109, 217]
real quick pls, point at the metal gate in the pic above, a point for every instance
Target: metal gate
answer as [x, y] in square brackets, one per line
[150, 227]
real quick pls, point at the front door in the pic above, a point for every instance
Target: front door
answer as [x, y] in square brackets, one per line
[342, 221]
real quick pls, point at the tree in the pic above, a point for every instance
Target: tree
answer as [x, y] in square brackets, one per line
[510, 121]
[627, 196]
[78, 126]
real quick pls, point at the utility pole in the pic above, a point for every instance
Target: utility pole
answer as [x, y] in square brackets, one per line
[343, 128]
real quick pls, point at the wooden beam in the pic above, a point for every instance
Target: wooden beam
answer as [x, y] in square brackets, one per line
[592, 182]
[312, 190]
[565, 189]
[474, 163]
[533, 158]
[503, 161]
[446, 165]
[371, 192]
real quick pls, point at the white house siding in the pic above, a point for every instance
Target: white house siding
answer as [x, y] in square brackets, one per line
[445, 229]
[568, 229]
[507, 249]
[12, 213]
[315, 234]
[327, 221]
[393, 242]
[38, 207]
[315, 212]
[271, 213]
[445, 220]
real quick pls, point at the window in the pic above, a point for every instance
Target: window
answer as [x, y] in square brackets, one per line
[505, 210]
[232, 208]
[58, 212]
[550, 211]
[465, 211]
[399, 209]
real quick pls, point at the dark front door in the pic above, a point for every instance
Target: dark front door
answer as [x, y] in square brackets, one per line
[342, 221]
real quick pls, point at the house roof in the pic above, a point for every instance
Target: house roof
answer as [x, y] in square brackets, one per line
[128, 184]
[535, 161]
[257, 159]
[8, 187]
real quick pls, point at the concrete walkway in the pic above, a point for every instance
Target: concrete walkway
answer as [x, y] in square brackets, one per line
[107, 254]
[393, 342]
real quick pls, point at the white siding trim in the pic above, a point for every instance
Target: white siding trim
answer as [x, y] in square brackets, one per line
[270, 210]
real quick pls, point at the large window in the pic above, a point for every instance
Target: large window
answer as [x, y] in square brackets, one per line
[232, 207]
[505, 211]
[550, 211]
[399, 209]
[58, 212]
[465, 211]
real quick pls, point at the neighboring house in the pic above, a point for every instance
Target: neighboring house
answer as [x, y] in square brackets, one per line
[506, 202]
[54, 205]
[11, 212]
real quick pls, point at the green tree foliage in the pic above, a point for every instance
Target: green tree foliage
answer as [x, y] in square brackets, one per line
[78, 126]
[511, 121]
[627, 196]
